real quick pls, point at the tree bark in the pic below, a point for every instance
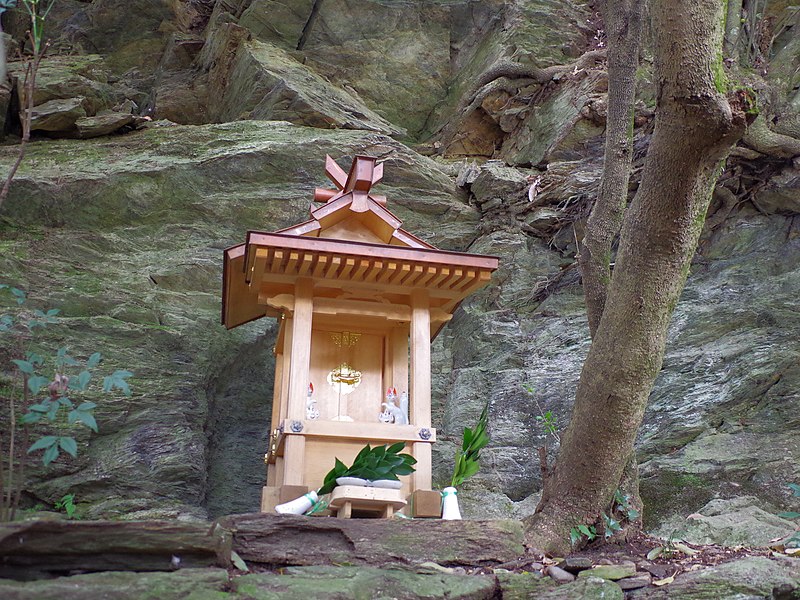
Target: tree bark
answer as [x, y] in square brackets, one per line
[695, 126]
[623, 21]
[733, 28]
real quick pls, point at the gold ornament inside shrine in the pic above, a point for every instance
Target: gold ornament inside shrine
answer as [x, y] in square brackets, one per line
[359, 300]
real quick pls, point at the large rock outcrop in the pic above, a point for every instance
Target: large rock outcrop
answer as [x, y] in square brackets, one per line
[131, 232]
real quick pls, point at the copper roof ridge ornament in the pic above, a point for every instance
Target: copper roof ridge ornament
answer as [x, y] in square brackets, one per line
[364, 173]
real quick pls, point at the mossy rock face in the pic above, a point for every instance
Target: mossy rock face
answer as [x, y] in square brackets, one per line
[345, 583]
[556, 129]
[521, 586]
[197, 584]
[588, 588]
[735, 522]
[396, 56]
[754, 577]
[263, 82]
[67, 77]
[125, 235]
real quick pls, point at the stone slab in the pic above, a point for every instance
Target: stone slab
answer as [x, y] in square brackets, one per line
[34, 549]
[284, 540]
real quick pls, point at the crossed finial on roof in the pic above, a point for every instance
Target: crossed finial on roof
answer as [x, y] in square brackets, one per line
[364, 173]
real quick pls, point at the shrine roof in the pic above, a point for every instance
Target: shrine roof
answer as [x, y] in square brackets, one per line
[352, 242]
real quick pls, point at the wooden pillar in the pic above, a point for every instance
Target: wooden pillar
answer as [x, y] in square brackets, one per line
[286, 363]
[276, 411]
[420, 396]
[300, 356]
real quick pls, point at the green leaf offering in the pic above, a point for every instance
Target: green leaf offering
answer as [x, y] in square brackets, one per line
[467, 463]
[380, 462]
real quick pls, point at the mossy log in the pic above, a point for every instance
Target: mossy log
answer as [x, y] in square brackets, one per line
[289, 540]
[36, 549]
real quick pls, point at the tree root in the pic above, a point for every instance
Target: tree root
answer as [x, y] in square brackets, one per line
[788, 125]
[760, 137]
[510, 76]
[514, 70]
[502, 84]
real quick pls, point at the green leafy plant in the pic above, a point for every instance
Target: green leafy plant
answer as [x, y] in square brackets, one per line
[380, 462]
[577, 533]
[547, 421]
[610, 525]
[48, 391]
[622, 504]
[620, 512]
[67, 504]
[57, 408]
[472, 442]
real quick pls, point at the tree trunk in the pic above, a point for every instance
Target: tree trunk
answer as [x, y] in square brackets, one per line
[733, 28]
[695, 127]
[623, 21]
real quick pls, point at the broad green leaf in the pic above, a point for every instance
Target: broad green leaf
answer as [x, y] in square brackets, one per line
[88, 419]
[50, 454]
[574, 536]
[467, 438]
[24, 366]
[30, 418]
[34, 358]
[117, 380]
[36, 383]
[238, 562]
[64, 401]
[362, 453]
[795, 488]
[584, 530]
[69, 445]
[94, 360]
[43, 442]
[53, 312]
[83, 379]
[789, 515]
[395, 448]
[40, 408]
[87, 406]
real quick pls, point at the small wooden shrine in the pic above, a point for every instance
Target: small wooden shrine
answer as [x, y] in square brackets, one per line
[359, 301]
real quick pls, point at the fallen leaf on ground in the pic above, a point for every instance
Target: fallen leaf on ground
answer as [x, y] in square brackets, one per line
[664, 581]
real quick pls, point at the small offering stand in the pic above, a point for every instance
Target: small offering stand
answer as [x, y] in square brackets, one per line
[359, 301]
